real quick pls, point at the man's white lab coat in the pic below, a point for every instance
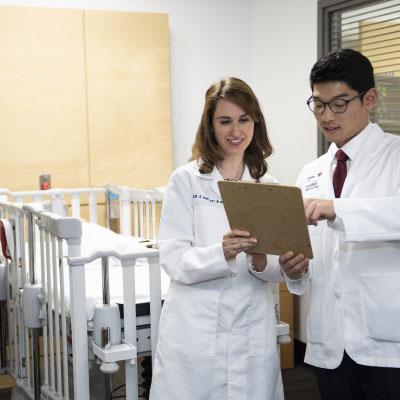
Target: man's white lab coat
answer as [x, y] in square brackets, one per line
[355, 275]
[217, 337]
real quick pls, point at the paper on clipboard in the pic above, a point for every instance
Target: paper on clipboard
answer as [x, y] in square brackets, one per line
[274, 214]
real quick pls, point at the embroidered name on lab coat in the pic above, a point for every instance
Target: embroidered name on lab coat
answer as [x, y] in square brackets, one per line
[202, 197]
[312, 183]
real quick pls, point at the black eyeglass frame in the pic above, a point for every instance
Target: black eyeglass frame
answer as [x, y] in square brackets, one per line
[346, 101]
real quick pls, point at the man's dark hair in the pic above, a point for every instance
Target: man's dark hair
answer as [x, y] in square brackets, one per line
[346, 65]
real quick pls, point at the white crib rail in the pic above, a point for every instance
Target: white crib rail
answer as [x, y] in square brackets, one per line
[128, 259]
[125, 215]
[54, 229]
[57, 199]
[5, 194]
[143, 202]
[19, 362]
[20, 338]
[57, 229]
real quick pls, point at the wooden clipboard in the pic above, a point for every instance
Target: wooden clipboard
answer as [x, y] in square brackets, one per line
[274, 214]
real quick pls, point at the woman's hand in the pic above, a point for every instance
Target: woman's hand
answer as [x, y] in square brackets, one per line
[295, 266]
[236, 241]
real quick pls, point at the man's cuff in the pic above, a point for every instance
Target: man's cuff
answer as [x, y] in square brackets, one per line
[294, 281]
[271, 272]
[337, 223]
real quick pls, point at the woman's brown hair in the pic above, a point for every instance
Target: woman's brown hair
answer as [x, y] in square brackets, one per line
[205, 148]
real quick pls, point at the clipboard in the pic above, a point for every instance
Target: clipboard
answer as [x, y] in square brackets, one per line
[274, 214]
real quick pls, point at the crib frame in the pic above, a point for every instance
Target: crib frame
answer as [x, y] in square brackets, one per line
[137, 213]
[57, 196]
[69, 229]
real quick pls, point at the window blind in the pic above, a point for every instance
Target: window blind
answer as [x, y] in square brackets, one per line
[374, 30]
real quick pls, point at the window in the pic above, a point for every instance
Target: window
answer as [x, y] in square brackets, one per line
[373, 28]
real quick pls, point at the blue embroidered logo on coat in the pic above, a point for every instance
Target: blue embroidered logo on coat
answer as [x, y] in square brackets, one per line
[202, 197]
[312, 185]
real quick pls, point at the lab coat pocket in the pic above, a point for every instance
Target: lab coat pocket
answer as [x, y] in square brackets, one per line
[381, 306]
[262, 329]
[314, 321]
[189, 321]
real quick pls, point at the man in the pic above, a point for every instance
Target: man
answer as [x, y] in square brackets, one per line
[352, 202]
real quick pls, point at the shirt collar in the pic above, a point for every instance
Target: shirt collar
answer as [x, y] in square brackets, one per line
[352, 147]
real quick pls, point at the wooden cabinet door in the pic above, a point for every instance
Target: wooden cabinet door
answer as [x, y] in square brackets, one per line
[43, 125]
[128, 98]
[85, 96]
[286, 315]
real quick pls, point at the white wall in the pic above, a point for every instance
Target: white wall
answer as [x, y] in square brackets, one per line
[284, 48]
[271, 44]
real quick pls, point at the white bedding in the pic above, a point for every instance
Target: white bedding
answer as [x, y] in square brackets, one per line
[95, 237]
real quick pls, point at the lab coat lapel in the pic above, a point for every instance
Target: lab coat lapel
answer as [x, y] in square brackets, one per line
[215, 187]
[363, 159]
[323, 176]
[214, 177]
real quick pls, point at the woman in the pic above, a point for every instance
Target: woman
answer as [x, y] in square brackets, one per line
[217, 337]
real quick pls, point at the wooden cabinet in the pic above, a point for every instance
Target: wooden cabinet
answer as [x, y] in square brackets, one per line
[85, 97]
[286, 315]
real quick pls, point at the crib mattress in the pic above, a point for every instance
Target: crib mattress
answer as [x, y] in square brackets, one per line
[95, 237]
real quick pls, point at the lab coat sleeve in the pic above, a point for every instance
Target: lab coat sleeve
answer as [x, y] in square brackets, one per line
[298, 286]
[364, 220]
[272, 271]
[181, 259]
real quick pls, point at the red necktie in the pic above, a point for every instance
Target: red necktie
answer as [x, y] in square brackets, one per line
[339, 175]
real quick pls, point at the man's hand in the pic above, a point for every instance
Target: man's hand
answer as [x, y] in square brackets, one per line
[318, 209]
[295, 266]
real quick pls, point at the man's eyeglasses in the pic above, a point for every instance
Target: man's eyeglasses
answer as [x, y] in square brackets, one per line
[338, 106]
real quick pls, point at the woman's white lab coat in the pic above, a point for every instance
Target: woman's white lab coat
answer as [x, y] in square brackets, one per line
[355, 274]
[217, 337]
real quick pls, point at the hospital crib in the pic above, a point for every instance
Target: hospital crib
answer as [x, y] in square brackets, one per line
[22, 369]
[137, 213]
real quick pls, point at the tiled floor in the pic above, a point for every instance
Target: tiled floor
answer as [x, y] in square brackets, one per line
[300, 383]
